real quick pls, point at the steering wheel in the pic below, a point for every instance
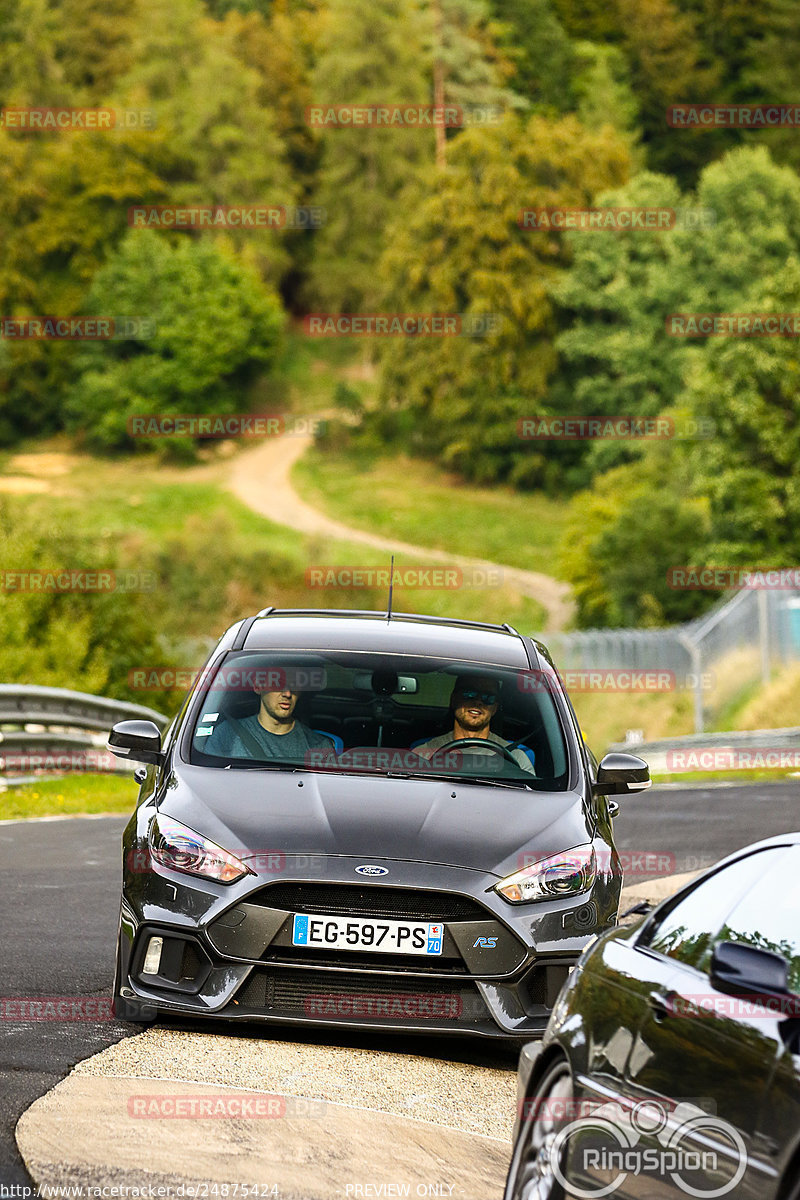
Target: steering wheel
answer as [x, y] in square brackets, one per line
[483, 743]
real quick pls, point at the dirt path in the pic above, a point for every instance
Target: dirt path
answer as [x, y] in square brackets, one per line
[261, 478]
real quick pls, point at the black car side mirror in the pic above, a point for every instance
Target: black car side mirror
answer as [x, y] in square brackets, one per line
[137, 740]
[620, 774]
[737, 967]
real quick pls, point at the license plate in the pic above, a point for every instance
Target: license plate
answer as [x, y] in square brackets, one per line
[355, 933]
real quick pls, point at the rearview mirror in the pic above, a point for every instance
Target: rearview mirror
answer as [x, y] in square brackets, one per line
[137, 740]
[406, 684]
[737, 967]
[620, 774]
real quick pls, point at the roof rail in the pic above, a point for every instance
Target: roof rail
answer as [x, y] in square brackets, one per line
[425, 618]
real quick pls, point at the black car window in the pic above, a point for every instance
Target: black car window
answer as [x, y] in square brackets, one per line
[768, 915]
[688, 930]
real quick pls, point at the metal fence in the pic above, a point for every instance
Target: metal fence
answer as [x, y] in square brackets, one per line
[755, 632]
[53, 730]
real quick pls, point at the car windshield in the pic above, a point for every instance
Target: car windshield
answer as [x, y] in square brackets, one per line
[380, 714]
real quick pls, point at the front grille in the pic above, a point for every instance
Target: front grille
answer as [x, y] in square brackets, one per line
[370, 901]
[409, 964]
[325, 996]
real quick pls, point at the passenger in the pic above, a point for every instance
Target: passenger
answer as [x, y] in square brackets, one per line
[272, 732]
[474, 702]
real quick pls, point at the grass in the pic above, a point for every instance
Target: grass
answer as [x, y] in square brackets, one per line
[605, 717]
[774, 705]
[70, 795]
[308, 371]
[416, 502]
[137, 506]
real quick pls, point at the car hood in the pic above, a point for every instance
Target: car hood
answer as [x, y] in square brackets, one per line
[485, 828]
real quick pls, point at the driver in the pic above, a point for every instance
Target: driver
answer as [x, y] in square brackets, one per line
[474, 702]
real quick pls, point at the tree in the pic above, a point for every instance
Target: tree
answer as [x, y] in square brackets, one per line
[616, 356]
[65, 200]
[750, 389]
[217, 141]
[625, 534]
[214, 329]
[543, 55]
[372, 53]
[462, 250]
[467, 68]
[602, 89]
[83, 640]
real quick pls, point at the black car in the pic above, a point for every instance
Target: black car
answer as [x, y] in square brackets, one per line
[671, 1063]
[312, 844]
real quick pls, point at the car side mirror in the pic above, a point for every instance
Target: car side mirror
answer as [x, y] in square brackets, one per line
[137, 740]
[737, 967]
[620, 774]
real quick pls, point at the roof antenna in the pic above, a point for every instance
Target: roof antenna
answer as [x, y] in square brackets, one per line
[391, 585]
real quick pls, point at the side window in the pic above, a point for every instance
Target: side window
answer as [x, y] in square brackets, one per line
[687, 932]
[767, 916]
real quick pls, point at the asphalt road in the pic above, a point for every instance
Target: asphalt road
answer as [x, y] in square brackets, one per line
[59, 903]
[60, 897]
[693, 827]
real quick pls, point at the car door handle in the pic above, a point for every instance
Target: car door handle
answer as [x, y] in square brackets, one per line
[660, 1005]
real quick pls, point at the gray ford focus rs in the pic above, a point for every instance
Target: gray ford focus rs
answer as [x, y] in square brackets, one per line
[364, 819]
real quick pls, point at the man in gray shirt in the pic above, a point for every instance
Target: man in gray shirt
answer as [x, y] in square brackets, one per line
[474, 702]
[272, 732]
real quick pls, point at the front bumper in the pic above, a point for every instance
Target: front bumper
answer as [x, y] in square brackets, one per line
[227, 953]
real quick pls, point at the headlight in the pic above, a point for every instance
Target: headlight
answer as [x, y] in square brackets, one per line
[175, 845]
[560, 875]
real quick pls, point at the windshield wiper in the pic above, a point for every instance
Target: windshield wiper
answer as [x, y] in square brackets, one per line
[255, 764]
[490, 779]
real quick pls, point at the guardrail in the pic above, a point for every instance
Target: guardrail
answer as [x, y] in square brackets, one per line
[655, 752]
[71, 733]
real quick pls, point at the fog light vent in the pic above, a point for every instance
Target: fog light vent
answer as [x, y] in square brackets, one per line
[152, 959]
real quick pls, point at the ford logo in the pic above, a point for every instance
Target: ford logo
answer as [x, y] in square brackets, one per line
[370, 870]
